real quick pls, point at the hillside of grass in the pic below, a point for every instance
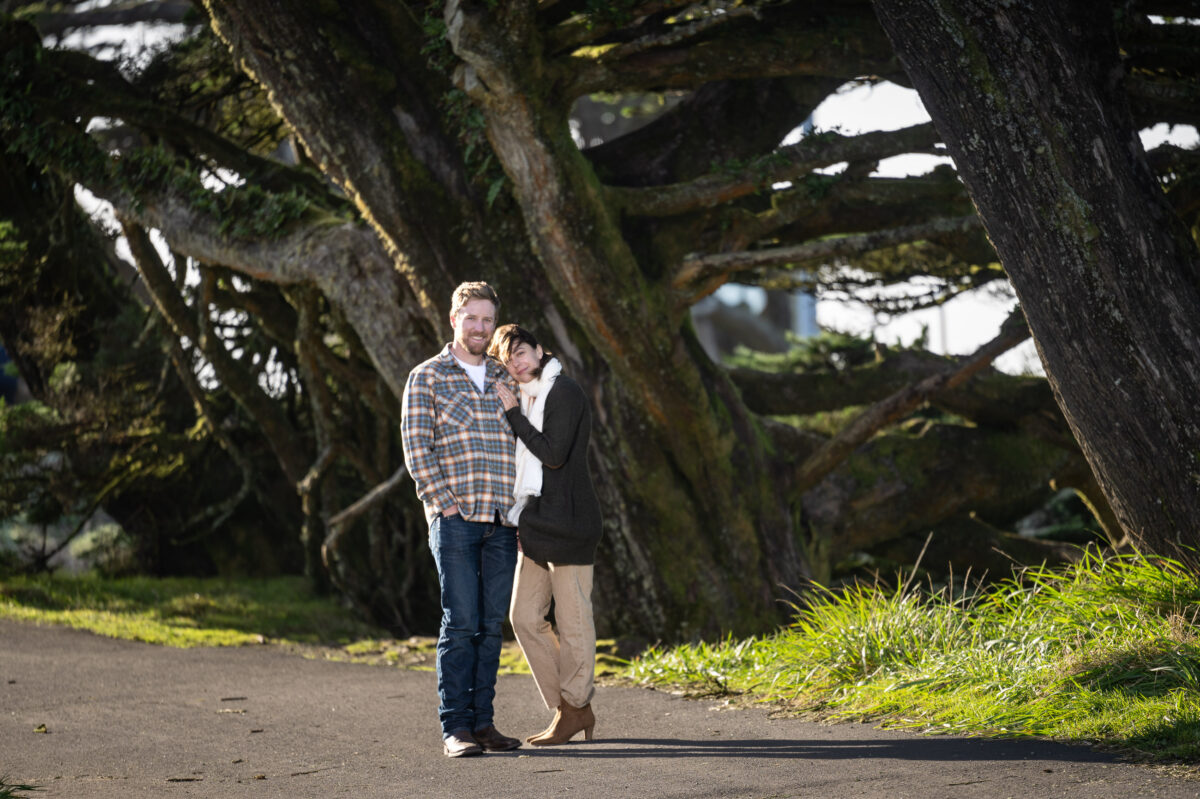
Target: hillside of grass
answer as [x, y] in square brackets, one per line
[1106, 652]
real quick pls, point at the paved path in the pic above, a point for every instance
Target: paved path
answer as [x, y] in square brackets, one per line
[132, 720]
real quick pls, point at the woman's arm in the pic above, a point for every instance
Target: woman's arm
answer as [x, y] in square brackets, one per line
[552, 444]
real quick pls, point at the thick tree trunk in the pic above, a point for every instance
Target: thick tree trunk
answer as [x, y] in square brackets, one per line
[682, 453]
[1026, 95]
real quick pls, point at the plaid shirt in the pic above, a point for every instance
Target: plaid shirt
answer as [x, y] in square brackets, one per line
[458, 446]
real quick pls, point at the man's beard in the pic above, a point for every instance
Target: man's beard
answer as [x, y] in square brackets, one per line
[469, 345]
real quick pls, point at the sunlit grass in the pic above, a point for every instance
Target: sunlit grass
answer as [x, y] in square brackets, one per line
[1106, 651]
[191, 612]
[183, 612]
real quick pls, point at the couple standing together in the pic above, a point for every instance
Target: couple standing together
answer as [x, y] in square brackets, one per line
[495, 438]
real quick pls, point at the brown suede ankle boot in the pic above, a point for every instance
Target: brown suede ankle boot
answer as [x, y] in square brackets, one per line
[567, 723]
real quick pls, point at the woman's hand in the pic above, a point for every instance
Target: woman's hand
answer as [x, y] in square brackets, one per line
[506, 397]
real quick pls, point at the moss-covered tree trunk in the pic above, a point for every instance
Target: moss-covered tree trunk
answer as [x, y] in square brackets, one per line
[681, 451]
[1028, 97]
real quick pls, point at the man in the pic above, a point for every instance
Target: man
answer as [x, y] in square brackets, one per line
[460, 452]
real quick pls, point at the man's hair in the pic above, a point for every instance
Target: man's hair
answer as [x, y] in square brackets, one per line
[472, 291]
[508, 337]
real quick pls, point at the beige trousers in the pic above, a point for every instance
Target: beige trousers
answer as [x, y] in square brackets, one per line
[562, 657]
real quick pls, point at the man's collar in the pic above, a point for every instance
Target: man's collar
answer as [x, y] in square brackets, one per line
[493, 368]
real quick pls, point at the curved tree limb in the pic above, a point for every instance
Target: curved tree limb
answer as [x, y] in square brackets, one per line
[1171, 100]
[709, 126]
[363, 504]
[786, 163]
[703, 269]
[887, 411]
[823, 205]
[804, 393]
[344, 260]
[267, 414]
[799, 43]
[680, 32]
[990, 398]
[583, 28]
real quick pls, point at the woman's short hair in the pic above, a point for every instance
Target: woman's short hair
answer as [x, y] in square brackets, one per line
[508, 337]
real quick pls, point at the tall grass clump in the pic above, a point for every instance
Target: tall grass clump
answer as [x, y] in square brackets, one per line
[1106, 650]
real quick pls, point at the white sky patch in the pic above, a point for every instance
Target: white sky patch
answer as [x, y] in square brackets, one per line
[901, 166]
[859, 107]
[832, 169]
[132, 45]
[1180, 135]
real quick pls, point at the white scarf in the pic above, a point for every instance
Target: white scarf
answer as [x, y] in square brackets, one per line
[529, 468]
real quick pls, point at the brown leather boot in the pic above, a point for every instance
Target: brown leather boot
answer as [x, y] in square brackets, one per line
[567, 722]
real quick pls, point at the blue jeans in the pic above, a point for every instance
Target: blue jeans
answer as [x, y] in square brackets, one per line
[476, 562]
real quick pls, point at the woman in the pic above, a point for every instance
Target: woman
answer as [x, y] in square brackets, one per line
[558, 526]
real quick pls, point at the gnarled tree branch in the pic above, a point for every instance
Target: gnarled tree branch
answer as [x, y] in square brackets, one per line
[798, 43]
[267, 414]
[887, 411]
[703, 269]
[784, 164]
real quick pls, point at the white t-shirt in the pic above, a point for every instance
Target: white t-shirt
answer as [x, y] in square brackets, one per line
[477, 373]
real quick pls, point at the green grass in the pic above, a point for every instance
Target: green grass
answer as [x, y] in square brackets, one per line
[192, 611]
[1106, 652]
[184, 612]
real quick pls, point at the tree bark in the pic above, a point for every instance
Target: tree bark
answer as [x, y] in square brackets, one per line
[1027, 96]
[670, 427]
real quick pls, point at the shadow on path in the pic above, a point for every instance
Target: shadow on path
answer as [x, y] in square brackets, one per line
[925, 749]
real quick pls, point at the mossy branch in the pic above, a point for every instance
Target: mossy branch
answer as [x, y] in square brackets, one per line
[284, 440]
[784, 164]
[603, 22]
[706, 272]
[905, 401]
[817, 206]
[778, 41]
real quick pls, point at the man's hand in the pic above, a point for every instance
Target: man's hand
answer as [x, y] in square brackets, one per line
[506, 397]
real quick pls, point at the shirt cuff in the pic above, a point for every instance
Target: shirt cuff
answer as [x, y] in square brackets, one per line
[445, 500]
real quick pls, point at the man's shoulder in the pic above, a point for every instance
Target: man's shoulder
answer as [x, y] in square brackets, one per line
[430, 369]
